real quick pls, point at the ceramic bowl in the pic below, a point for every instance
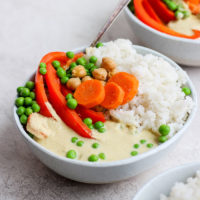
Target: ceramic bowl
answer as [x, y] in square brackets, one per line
[107, 172]
[181, 50]
[165, 181]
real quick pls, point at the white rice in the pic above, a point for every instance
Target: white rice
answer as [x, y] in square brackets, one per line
[185, 191]
[160, 99]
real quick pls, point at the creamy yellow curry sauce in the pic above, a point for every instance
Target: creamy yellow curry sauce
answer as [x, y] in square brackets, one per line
[118, 141]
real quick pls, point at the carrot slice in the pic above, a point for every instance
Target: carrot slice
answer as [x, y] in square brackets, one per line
[90, 93]
[114, 96]
[151, 12]
[128, 83]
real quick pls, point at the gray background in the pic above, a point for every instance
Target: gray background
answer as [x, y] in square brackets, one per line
[29, 29]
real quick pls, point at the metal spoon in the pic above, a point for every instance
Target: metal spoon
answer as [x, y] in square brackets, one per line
[115, 14]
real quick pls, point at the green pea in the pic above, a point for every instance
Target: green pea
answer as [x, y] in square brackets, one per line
[99, 44]
[19, 101]
[87, 121]
[69, 96]
[34, 102]
[95, 145]
[186, 90]
[70, 54]
[72, 103]
[61, 72]
[89, 65]
[162, 139]
[164, 130]
[71, 154]
[72, 65]
[92, 69]
[56, 64]
[93, 59]
[101, 130]
[179, 14]
[23, 119]
[32, 95]
[28, 101]
[102, 156]
[74, 139]
[93, 158]
[30, 85]
[19, 89]
[42, 65]
[98, 125]
[136, 146]
[186, 13]
[25, 92]
[172, 5]
[35, 107]
[80, 143]
[81, 61]
[91, 126]
[20, 111]
[149, 145]
[134, 153]
[28, 111]
[143, 141]
[64, 80]
[43, 71]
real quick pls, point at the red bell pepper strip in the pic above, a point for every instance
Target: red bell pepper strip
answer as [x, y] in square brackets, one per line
[194, 6]
[165, 14]
[151, 12]
[85, 112]
[41, 96]
[146, 19]
[69, 117]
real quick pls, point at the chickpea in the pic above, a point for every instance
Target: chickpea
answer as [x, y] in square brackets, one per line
[100, 74]
[108, 64]
[103, 83]
[110, 74]
[86, 78]
[73, 83]
[79, 71]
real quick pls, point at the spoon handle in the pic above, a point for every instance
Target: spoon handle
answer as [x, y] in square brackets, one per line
[109, 22]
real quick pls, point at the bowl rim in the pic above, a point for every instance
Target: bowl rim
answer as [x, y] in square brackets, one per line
[127, 160]
[166, 36]
[165, 173]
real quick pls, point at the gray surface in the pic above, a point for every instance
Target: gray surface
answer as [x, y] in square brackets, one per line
[29, 29]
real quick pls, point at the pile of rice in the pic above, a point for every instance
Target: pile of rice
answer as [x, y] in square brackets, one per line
[160, 99]
[185, 191]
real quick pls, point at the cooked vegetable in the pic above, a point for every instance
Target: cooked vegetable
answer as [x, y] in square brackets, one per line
[61, 72]
[73, 83]
[28, 101]
[57, 99]
[74, 139]
[143, 141]
[162, 139]
[43, 71]
[69, 96]
[73, 60]
[93, 158]
[149, 145]
[19, 89]
[64, 80]
[28, 111]
[23, 119]
[99, 44]
[72, 103]
[70, 54]
[134, 153]
[102, 156]
[30, 85]
[100, 74]
[87, 121]
[102, 130]
[80, 143]
[108, 64]
[95, 145]
[186, 90]
[32, 95]
[20, 111]
[136, 146]
[25, 92]
[164, 129]
[42, 65]
[81, 61]
[19, 101]
[93, 59]
[164, 13]
[151, 12]
[128, 83]
[91, 126]
[99, 125]
[114, 96]
[56, 64]
[35, 107]
[90, 93]
[71, 154]
[79, 71]
[194, 6]
[145, 18]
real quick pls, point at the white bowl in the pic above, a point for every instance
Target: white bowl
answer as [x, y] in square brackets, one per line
[181, 50]
[163, 183]
[107, 172]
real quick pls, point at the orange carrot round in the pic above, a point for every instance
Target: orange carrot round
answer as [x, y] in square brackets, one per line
[90, 93]
[128, 83]
[114, 96]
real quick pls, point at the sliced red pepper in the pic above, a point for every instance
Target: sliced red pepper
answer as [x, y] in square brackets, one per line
[145, 18]
[41, 96]
[151, 11]
[85, 112]
[70, 117]
[162, 10]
